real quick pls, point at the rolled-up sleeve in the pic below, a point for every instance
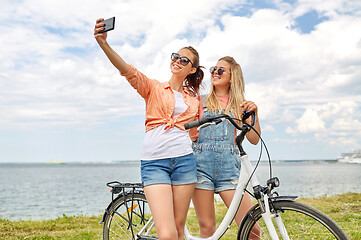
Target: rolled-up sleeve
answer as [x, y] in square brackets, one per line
[139, 81]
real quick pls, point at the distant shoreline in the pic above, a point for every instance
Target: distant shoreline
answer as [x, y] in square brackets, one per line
[138, 161]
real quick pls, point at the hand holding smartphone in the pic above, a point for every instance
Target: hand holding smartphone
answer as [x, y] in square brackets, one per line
[109, 25]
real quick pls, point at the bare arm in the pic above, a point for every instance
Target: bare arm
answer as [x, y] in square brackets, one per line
[114, 58]
[251, 135]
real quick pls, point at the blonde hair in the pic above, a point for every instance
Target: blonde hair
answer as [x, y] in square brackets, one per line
[236, 91]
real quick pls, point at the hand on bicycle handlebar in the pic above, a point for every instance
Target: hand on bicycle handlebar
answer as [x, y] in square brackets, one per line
[249, 106]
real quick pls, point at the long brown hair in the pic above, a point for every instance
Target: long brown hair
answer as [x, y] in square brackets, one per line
[236, 90]
[193, 81]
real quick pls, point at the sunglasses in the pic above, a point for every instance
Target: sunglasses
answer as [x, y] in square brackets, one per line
[219, 71]
[182, 60]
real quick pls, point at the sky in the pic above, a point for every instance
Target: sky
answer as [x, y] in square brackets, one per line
[62, 100]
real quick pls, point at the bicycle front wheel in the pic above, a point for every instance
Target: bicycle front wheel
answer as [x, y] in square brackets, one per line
[301, 222]
[129, 217]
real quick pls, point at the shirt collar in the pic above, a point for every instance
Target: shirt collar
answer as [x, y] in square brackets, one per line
[167, 85]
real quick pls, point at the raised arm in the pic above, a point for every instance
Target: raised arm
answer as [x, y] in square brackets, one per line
[114, 58]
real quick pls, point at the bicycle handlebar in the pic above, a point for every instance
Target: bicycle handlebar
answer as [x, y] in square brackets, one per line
[218, 118]
[196, 123]
[213, 120]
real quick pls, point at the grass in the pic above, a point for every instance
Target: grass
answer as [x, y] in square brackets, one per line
[73, 227]
[344, 209]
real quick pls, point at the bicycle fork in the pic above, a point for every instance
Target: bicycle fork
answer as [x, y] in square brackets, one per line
[264, 202]
[267, 217]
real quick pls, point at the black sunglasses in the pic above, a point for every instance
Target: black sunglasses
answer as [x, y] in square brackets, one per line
[182, 60]
[220, 71]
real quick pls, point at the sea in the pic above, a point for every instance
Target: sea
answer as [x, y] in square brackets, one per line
[40, 191]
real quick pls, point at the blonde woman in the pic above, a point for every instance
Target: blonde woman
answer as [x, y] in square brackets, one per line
[217, 156]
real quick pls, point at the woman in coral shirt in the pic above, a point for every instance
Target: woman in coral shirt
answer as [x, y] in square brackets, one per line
[168, 167]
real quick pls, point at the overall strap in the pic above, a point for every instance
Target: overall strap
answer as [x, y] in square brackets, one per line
[204, 101]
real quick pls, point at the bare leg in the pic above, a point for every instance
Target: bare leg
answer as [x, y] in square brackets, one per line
[246, 205]
[169, 206]
[160, 200]
[243, 209]
[203, 201]
[181, 199]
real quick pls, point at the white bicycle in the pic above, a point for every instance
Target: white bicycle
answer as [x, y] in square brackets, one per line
[273, 217]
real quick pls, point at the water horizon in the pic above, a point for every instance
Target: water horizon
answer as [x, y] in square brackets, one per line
[41, 191]
[135, 161]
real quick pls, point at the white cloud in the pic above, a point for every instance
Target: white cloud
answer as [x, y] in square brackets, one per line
[328, 8]
[41, 71]
[310, 122]
[53, 73]
[347, 127]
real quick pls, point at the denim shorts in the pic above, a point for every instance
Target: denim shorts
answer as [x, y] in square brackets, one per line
[217, 169]
[174, 171]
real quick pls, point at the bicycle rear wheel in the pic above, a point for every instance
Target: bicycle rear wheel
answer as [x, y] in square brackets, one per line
[129, 217]
[301, 222]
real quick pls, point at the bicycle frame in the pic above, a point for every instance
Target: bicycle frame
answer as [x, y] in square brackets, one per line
[245, 177]
[245, 173]
[269, 208]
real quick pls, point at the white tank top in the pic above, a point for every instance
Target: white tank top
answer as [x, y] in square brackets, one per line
[173, 142]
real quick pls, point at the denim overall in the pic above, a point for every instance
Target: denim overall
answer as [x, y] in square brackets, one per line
[217, 156]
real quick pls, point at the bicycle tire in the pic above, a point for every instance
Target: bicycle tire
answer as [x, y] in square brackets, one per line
[131, 208]
[300, 220]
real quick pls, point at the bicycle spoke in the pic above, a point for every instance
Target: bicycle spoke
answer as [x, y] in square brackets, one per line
[129, 218]
[299, 220]
[126, 233]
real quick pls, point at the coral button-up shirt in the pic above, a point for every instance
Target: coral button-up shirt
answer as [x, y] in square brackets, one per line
[160, 102]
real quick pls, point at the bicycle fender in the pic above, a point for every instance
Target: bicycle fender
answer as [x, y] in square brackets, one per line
[280, 198]
[103, 218]
[106, 211]
[273, 199]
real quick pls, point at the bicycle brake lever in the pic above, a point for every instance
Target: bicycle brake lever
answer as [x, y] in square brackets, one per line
[205, 125]
[210, 123]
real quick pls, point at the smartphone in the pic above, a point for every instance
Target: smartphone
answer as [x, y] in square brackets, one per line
[109, 25]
